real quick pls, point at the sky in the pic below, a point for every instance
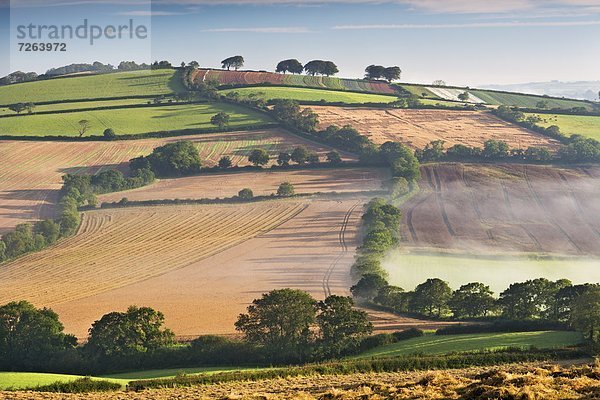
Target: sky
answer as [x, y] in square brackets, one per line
[463, 42]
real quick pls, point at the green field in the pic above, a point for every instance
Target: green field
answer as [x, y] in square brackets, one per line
[121, 84]
[522, 100]
[409, 270]
[301, 94]
[420, 91]
[78, 105]
[433, 344]
[129, 121]
[22, 380]
[573, 124]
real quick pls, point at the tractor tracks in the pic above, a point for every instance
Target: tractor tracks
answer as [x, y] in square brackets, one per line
[438, 195]
[344, 250]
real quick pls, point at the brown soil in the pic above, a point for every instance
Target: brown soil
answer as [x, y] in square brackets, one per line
[417, 128]
[31, 171]
[503, 208]
[262, 184]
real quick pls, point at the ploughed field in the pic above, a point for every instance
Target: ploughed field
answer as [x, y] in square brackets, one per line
[264, 183]
[417, 128]
[505, 208]
[31, 174]
[201, 265]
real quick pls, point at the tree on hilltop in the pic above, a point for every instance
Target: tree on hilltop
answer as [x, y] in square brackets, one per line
[235, 62]
[320, 67]
[374, 71]
[391, 73]
[294, 66]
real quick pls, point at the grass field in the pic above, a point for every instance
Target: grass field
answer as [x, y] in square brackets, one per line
[129, 121]
[22, 380]
[588, 126]
[522, 100]
[93, 87]
[67, 106]
[300, 94]
[409, 270]
[433, 344]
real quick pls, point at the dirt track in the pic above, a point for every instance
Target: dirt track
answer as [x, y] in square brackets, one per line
[513, 208]
[417, 128]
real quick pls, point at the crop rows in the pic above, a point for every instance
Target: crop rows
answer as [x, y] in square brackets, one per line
[323, 82]
[115, 248]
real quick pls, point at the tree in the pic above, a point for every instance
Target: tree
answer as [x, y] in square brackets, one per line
[299, 155]
[334, 157]
[538, 154]
[246, 194]
[283, 159]
[235, 62]
[368, 286]
[463, 96]
[225, 162]
[495, 149]
[259, 157]
[49, 229]
[329, 69]
[585, 314]
[286, 189]
[531, 299]
[109, 134]
[122, 334]
[173, 159]
[402, 160]
[314, 67]
[193, 64]
[18, 108]
[433, 151]
[221, 120]
[374, 71]
[313, 158]
[341, 326]
[30, 336]
[472, 300]
[29, 107]
[543, 104]
[84, 126]
[294, 66]
[431, 297]
[280, 321]
[392, 73]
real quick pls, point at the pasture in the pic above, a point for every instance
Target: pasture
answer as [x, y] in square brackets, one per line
[444, 344]
[524, 100]
[22, 380]
[130, 120]
[78, 105]
[300, 94]
[120, 84]
[31, 177]
[417, 128]
[588, 126]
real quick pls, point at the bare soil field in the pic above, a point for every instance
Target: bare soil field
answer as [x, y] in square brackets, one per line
[417, 128]
[265, 183]
[200, 265]
[386, 322]
[31, 171]
[505, 208]
[517, 381]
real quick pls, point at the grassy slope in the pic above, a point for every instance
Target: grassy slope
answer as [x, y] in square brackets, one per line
[78, 105]
[520, 100]
[21, 380]
[129, 121]
[432, 344]
[93, 87]
[573, 124]
[308, 94]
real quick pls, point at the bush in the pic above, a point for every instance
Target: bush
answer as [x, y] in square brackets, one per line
[82, 385]
[246, 194]
[109, 134]
[286, 189]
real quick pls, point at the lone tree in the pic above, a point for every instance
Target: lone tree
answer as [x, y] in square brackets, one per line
[109, 134]
[84, 126]
[225, 162]
[334, 157]
[18, 108]
[235, 62]
[280, 321]
[246, 194]
[463, 96]
[121, 334]
[294, 66]
[283, 159]
[286, 189]
[300, 155]
[259, 157]
[221, 120]
[392, 73]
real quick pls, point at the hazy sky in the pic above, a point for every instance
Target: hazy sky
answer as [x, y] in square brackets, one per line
[460, 41]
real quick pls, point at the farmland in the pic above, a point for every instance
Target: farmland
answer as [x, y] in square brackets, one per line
[526, 101]
[130, 120]
[511, 381]
[300, 94]
[31, 178]
[244, 78]
[78, 105]
[312, 251]
[416, 128]
[444, 344]
[262, 184]
[588, 126]
[121, 84]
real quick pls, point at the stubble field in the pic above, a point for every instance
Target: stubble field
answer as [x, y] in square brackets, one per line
[417, 128]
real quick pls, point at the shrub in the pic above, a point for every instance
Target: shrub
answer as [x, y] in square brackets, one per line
[82, 385]
[246, 194]
[109, 134]
[286, 189]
